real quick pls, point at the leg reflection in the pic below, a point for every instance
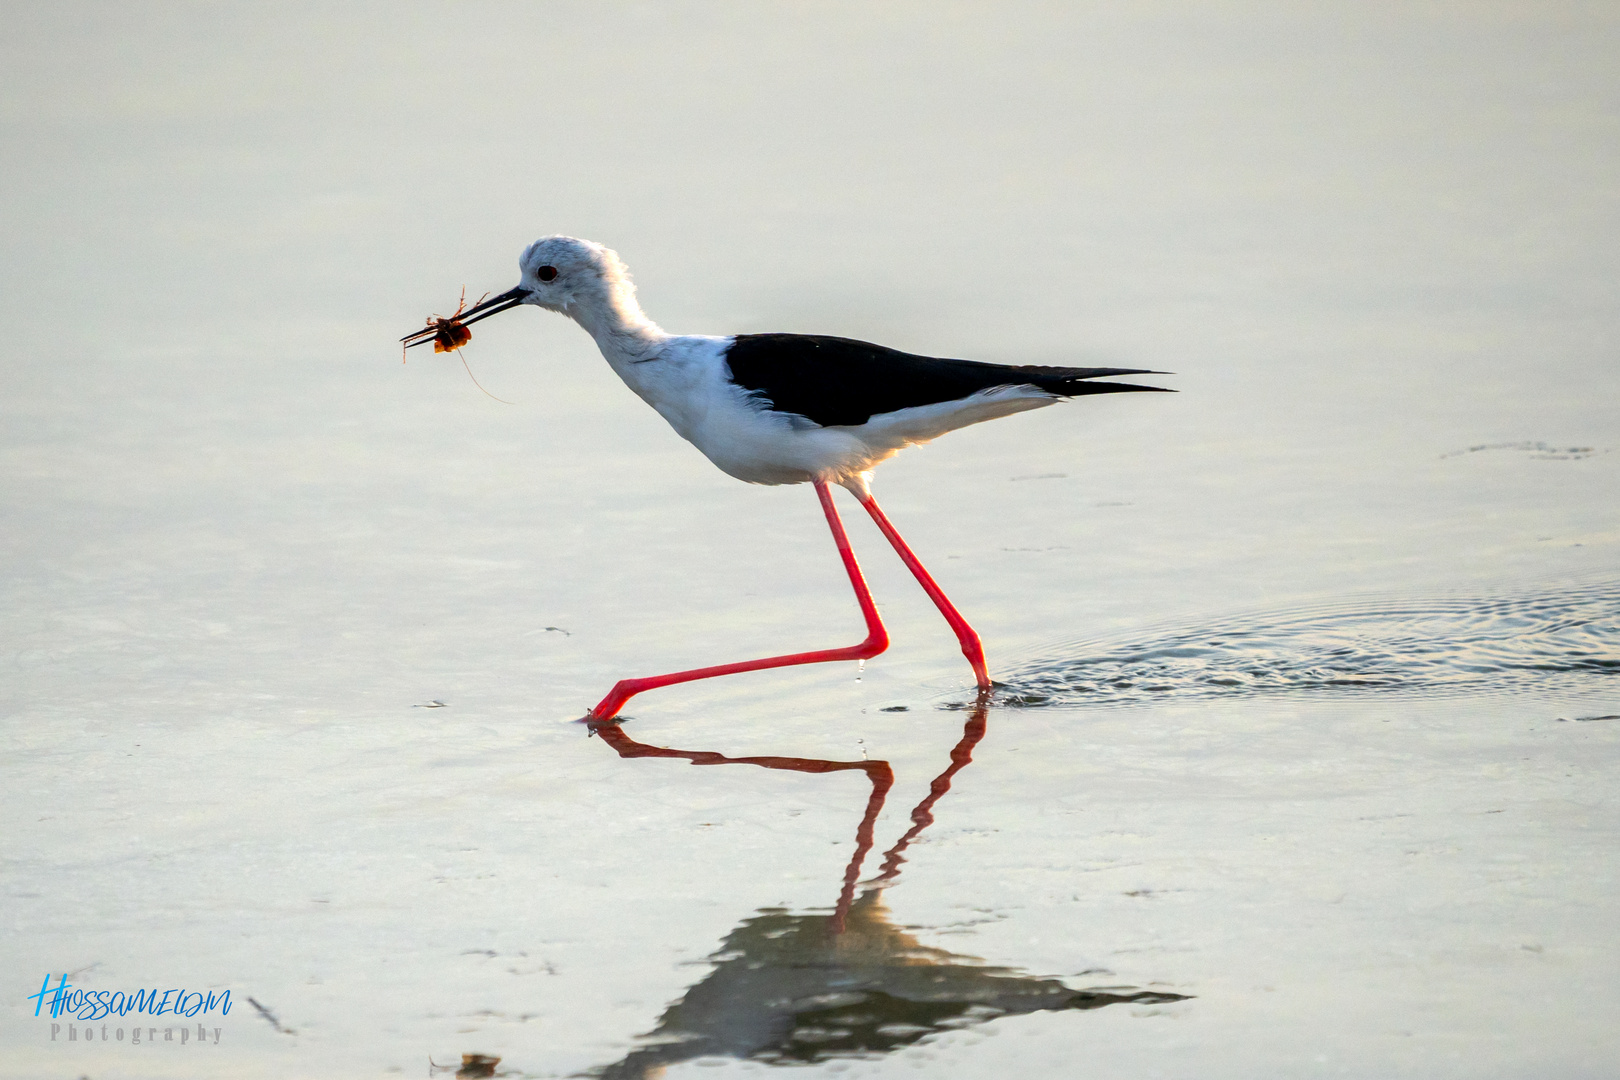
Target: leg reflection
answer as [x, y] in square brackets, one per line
[923, 815]
[790, 989]
[878, 772]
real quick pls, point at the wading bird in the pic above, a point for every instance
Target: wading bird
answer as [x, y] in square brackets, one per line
[784, 409]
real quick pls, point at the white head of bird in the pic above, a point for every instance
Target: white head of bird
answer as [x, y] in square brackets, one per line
[587, 282]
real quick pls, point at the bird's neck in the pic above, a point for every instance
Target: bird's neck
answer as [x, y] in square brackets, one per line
[617, 322]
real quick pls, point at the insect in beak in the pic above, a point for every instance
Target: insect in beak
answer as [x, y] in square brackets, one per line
[450, 334]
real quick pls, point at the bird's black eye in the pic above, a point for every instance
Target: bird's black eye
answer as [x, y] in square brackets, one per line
[546, 273]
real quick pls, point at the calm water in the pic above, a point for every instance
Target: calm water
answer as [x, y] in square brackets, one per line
[1304, 755]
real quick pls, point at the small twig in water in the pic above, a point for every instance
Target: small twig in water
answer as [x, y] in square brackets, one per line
[270, 1016]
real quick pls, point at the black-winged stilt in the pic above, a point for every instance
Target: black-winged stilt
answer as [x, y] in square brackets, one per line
[784, 409]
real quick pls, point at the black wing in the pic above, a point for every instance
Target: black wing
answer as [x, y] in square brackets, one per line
[837, 381]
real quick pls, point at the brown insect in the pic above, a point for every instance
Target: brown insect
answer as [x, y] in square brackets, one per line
[448, 334]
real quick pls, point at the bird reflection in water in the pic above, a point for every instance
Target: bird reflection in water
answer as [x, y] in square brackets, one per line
[792, 989]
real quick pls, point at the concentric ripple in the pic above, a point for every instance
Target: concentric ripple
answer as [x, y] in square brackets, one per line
[1500, 644]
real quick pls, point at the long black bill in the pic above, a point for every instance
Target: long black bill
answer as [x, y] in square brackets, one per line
[511, 298]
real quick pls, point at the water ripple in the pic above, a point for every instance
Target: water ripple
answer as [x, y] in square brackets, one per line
[1498, 644]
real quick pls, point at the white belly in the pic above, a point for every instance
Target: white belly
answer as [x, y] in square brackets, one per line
[764, 447]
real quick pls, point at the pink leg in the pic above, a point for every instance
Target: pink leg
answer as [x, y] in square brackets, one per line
[972, 648]
[877, 638]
